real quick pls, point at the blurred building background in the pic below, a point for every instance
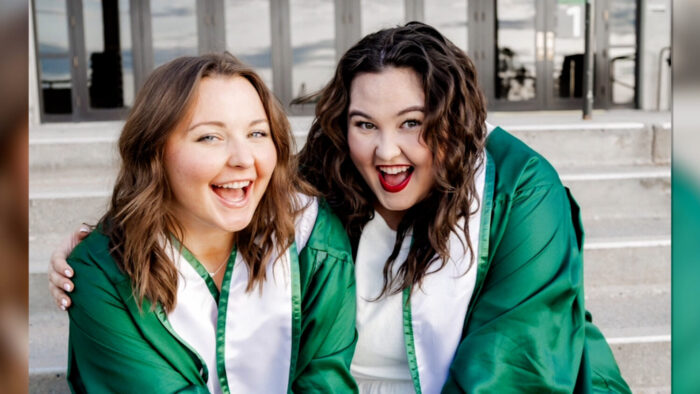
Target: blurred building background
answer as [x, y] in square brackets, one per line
[87, 59]
[91, 56]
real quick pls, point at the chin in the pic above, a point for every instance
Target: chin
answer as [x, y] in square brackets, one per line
[235, 225]
[395, 206]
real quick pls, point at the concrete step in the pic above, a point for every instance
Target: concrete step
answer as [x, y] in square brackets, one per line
[48, 340]
[568, 145]
[53, 217]
[621, 191]
[74, 145]
[645, 362]
[646, 263]
[630, 311]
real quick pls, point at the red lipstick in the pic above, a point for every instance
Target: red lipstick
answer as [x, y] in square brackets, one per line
[394, 188]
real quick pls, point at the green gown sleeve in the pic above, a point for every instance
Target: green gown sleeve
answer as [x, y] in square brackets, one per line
[526, 326]
[328, 334]
[108, 352]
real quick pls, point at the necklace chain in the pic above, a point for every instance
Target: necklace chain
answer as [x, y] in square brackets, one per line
[218, 268]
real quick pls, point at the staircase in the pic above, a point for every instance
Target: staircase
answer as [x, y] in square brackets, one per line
[617, 167]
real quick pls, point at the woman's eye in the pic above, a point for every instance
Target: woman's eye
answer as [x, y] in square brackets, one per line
[365, 125]
[411, 123]
[258, 134]
[206, 138]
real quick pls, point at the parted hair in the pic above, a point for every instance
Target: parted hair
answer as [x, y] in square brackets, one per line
[453, 129]
[139, 220]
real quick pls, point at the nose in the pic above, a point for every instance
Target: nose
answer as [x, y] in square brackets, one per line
[387, 146]
[240, 154]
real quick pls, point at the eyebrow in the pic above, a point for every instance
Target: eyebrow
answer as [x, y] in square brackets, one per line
[221, 124]
[357, 112]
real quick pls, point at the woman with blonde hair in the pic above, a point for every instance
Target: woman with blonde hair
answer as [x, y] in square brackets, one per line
[213, 268]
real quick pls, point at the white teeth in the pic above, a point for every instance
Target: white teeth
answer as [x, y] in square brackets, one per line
[393, 170]
[234, 185]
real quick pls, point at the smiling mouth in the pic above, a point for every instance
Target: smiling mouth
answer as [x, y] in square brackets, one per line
[233, 193]
[394, 178]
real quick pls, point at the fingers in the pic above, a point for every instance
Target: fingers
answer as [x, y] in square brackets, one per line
[60, 271]
[60, 282]
[78, 236]
[57, 288]
[59, 265]
[58, 262]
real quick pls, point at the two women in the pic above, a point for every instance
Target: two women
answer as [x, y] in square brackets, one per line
[467, 246]
[211, 270]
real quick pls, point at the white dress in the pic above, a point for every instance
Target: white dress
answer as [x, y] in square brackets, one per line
[380, 364]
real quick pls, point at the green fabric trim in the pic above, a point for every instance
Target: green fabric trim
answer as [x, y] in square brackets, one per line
[163, 317]
[150, 323]
[199, 267]
[482, 260]
[408, 337]
[221, 323]
[296, 311]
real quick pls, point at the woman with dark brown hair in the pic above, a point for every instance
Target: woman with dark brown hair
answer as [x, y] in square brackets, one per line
[212, 270]
[468, 249]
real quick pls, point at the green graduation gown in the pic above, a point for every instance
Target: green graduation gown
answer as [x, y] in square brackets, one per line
[526, 329]
[115, 347]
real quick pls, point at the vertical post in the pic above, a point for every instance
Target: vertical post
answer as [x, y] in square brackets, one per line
[588, 64]
[141, 40]
[211, 31]
[347, 25]
[281, 48]
[414, 10]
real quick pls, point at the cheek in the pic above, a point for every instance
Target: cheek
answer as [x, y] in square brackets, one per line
[421, 154]
[266, 160]
[174, 170]
[186, 170]
[360, 151]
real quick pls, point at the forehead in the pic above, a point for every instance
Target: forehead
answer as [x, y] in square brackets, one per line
[390, 89]
[227, 97]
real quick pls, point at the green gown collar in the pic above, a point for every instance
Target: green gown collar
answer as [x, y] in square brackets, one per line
[484, 232]
[482, 267]
[296, 311]
[201, 270]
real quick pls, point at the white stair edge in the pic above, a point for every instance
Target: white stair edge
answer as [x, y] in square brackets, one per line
[644, 243]
[576, 126]
[597, 176]
[639, 339]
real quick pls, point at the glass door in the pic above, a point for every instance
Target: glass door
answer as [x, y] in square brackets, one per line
[538, 48]
[564, 49]
[519, 54]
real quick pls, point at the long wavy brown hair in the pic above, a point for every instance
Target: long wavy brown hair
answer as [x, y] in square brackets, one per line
[454, 130]
[139, 220]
